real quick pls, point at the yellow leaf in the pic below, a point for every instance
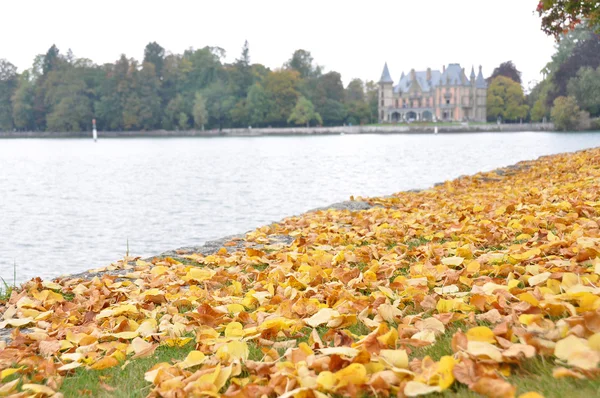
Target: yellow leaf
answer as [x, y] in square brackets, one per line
[326, 380]
[9, 371]
[481, 333]
[526, 255]
[138, 345]
[233, 350]
[445, 370]
[125, 335]
[199, 274]
[594, 341]
[482, 349]
[531, 394]
[324, 315]
[345, 351]
[193, 358]
[453, 261]
[473, 267]
[354, 373]
[9, 388]
[38, 389]
[234, 330]
[416, 388]
[158, 270]
[51, 285]
[104, 363]
[15, 323]
[539, 278]
[394, 358]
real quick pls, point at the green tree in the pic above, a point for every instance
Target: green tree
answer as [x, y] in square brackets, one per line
[302, 62]
[559, 16]
[149, 97]
[372, 100]
[507, 69]
[174, 109]
[585, 87]
[154, 53]
[357, 106]
[242, 73]
[72, 113]
[8, 84]
[304, 112]
[328, 98]
[585, 53]
[219, 103]
[537, 101]
[281, 87]
[505, 99]
[199, 111]
[22, 104]
[258, 104]
[566, 114]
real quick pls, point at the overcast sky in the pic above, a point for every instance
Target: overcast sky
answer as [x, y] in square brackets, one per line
[354, 38]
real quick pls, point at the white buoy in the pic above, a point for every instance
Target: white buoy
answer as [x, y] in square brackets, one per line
[435, 130]
[94, 132]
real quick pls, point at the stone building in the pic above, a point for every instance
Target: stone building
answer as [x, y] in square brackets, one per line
[433, 95]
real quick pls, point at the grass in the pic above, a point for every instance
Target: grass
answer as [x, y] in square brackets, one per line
[128, 382]
[531, 375]
[416, 242]
[6, 290]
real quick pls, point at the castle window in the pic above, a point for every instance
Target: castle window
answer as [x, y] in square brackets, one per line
[447, 102]
[381, 102]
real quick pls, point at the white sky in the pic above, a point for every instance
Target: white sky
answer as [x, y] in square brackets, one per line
[354, 38]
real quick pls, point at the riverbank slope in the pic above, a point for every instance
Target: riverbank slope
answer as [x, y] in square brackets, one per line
[275, 131]
[485, 283]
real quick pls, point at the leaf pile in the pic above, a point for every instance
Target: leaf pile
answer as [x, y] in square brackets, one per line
[504, 265]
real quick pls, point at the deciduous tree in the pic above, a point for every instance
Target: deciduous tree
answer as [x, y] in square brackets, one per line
[560, 16]
[304, 113]
[199, 111]
[8, 84]
[505, 98]
[566, 114]
[585, 87]
[507, 69]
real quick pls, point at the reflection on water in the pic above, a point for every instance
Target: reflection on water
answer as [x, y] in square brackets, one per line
[69, 205]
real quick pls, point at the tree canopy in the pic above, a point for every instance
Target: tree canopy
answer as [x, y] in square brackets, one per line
[507, 69]
[505, 99]
[196, 89]
[561, 16]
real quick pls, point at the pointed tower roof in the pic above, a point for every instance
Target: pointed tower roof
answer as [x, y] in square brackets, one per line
[385, 75]
[480, 80]
[472, 73]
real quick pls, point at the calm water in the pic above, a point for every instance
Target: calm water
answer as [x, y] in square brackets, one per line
[70, 205]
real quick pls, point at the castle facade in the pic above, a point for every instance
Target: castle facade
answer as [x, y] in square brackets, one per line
[433, 95]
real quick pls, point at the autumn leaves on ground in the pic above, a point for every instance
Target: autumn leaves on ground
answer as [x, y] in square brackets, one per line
[487, 284]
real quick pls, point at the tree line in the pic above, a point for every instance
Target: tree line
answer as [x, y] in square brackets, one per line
[193, 90]
[569, 93]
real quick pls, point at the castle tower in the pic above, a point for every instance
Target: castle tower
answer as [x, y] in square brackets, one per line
[480, 97]
[386, 95]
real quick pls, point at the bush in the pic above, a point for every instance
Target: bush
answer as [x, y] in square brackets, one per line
[566, 114]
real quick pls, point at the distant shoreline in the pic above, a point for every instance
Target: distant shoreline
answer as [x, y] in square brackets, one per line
[288, 131]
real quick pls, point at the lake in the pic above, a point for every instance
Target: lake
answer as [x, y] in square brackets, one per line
[67, 205]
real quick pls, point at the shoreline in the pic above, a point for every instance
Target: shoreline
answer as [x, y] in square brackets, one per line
[294, 131]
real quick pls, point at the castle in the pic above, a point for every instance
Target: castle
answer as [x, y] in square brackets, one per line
[432, 95]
